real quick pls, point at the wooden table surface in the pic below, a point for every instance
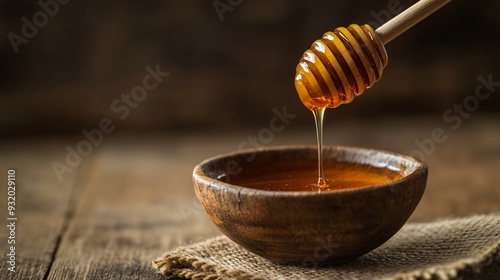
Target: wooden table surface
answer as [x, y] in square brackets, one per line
[132, 198]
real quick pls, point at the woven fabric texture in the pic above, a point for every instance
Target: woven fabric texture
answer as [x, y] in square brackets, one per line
[464, 248]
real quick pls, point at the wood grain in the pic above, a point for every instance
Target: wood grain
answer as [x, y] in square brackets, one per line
[41, 206]
[135, 204]
[289, 227]
[133, 198]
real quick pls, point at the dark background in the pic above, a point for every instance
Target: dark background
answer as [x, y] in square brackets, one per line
[105, 209]
[226, 74]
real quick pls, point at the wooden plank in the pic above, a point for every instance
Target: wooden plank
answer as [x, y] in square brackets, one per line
[133, 198]
[138, 197]
[41, 206]
[137, 202]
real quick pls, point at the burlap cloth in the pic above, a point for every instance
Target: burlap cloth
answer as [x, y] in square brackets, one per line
[465, 248]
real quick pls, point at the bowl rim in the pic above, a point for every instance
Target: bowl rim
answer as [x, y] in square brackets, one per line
[199, 175]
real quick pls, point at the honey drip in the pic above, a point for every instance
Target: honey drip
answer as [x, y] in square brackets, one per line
[340, 66]
[318, 117]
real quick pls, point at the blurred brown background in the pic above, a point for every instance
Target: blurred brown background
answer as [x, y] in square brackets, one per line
[107, 211]
[226, 73]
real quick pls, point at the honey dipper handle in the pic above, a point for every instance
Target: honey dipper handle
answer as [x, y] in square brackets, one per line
[408, 18]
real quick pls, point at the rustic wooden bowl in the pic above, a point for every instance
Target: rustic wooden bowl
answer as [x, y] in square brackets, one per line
[309, 228]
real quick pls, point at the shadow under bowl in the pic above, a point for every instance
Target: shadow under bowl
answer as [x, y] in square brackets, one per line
[309, 228]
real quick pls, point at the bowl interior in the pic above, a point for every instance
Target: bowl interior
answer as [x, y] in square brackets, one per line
[241, 169]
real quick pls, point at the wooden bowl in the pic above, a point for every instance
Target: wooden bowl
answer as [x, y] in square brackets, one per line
[309, 228]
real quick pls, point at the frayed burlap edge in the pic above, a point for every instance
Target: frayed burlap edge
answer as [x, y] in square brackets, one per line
[176, 263]
[197, 268]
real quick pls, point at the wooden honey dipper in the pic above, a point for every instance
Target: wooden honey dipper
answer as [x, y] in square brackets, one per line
[345, 62]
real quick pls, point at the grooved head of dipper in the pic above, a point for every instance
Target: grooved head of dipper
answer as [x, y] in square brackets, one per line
[340, 66]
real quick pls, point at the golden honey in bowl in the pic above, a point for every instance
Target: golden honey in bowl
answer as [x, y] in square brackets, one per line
[302, 176]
